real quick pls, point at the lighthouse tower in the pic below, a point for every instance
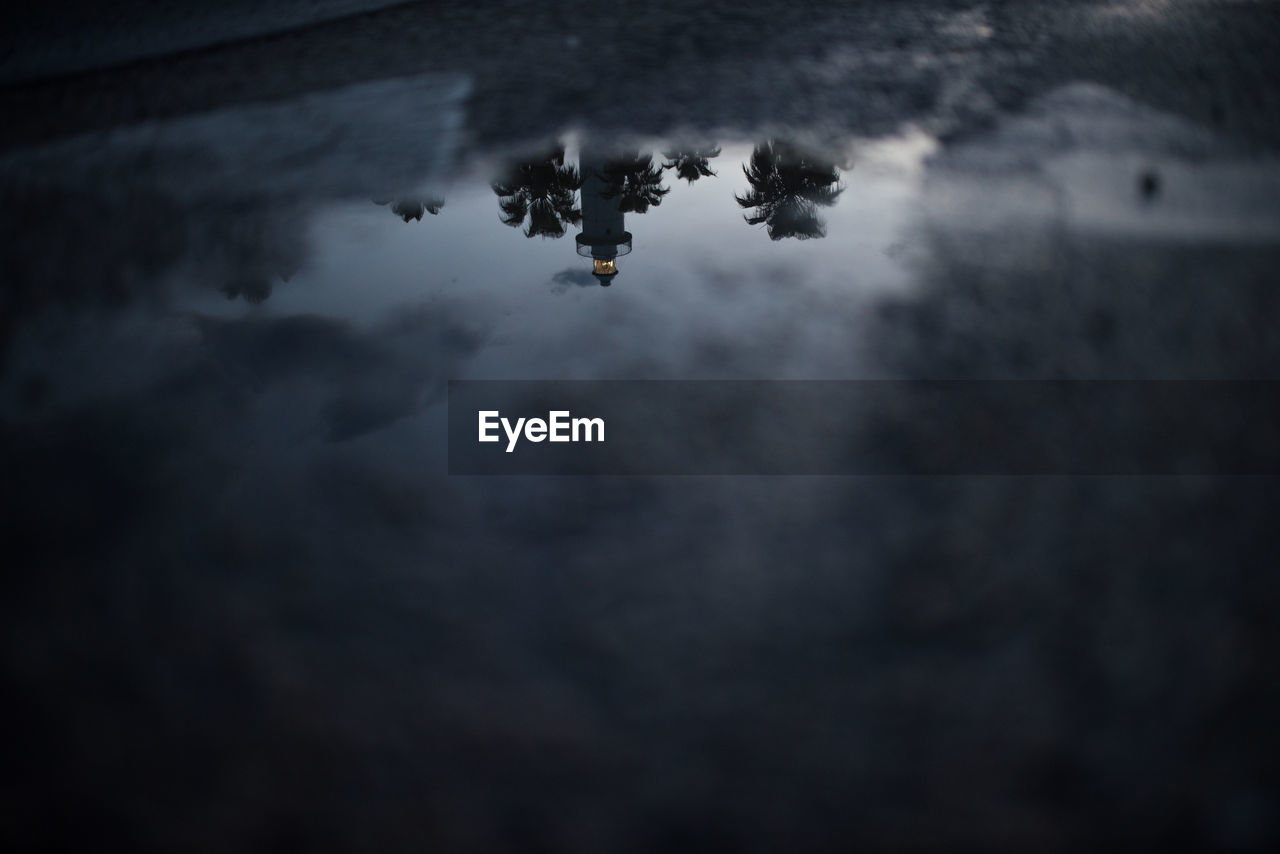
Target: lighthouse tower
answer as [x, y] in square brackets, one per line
[604, 236]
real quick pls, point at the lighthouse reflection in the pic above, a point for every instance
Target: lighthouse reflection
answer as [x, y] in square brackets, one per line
[604, 235]
[547, 194]
[614, 184]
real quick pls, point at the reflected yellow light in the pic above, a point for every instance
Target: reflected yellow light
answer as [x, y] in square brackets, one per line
[605, 267]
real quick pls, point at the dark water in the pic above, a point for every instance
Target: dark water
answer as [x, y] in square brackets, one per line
[246, 608]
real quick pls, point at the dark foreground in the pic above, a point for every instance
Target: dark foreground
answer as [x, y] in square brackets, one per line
[246, 608]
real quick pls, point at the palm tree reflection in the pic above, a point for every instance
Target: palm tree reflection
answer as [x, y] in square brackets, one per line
[249, 253]
[413, 207]
[253, 289]
[634, 180]
[691, 163]
[544, 191]
[788, 186]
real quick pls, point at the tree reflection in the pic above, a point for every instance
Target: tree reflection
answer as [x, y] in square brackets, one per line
[413, 207]
[253, 289]
[543, 191]
[634, 180]
[251, 252]
[788, 186]
[691, 163]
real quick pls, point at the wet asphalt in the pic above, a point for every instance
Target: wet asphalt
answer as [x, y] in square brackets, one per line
[222, 640]
[862, 68]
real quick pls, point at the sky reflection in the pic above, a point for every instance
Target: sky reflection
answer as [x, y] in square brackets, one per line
[696, 268]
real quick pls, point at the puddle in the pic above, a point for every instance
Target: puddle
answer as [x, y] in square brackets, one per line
[716, 272]
[695, 289]
[742, 256]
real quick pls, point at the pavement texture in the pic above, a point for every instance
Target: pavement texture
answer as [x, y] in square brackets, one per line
[864, 68]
